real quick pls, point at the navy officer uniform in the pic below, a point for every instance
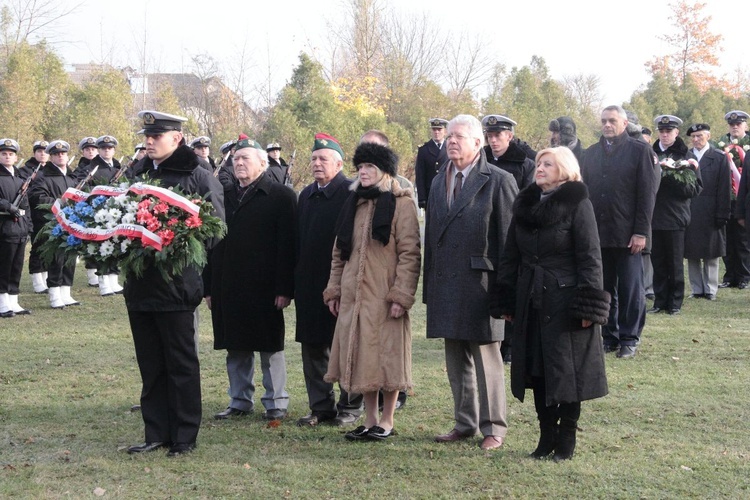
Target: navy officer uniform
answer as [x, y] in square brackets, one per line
[161, 310]
[15, 223]
[430, 157]
[37, 269]
[201, 145]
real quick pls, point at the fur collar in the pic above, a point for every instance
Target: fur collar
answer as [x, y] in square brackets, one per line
[183, 159]
[557, 207]
[513, 154]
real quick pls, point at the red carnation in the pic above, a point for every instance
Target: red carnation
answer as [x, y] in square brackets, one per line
[166, 236]
[193, 221]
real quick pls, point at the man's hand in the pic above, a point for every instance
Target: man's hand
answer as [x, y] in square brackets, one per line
[741, 222]
[586, 323]
[282, 302]
[508, 318]
[637, 244]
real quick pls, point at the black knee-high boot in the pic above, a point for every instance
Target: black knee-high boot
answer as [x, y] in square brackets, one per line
[566, 438]
[547, 416]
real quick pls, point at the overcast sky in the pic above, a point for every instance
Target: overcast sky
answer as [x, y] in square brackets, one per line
[609, 39]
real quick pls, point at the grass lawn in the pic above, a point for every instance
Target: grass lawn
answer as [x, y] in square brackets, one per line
[676, 423]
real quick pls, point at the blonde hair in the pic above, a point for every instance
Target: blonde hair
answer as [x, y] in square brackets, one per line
[565, 160]
[385, 184]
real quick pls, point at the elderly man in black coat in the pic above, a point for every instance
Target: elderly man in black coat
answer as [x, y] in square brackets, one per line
[251, 281]
[318, 211]
[705, 236]
[622, 178]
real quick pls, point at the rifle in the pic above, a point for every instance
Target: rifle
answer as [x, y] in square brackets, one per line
[18, 165]
[122, 169]
[70, 161]
[87, 178]
[288, 175]
[222, 162]
[24, 191]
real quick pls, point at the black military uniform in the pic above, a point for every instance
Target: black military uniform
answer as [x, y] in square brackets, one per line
[15, 223]
[430, 158]
[83, 144]
[203, 142]
[50, 184]
[161, 311]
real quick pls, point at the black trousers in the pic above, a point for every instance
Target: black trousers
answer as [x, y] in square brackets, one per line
[737, 260]
[667, 257]
[59, 272]
[170, 371]
[320, 394]
[11, 265]
[35, 261]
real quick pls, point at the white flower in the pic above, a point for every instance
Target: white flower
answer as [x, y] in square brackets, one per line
[91, 248]
[746, 147]
[124, 245]
[131, 207]
[735, 141]
[121, 200]
[128, 218]
[106, 248]
[667, 162]
[101, 215]
[722, 144]
[111, 224]
[114, 215]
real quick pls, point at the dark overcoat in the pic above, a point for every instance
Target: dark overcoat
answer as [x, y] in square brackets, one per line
[317, 213]
[13, 230]
[515, 162]
[428, 163]
[552, 268]
[251, 266]
[623, 180]
[463, 244]
[672, 208]
[104, 173]
[705, 236]
[49, 184]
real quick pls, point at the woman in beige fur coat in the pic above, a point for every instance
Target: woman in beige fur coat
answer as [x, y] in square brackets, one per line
[374, 275]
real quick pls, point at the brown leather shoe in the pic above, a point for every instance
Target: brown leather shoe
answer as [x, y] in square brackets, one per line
[453, 436]
[491, 443]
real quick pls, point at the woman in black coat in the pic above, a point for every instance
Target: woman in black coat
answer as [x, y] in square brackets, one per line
[550, 286]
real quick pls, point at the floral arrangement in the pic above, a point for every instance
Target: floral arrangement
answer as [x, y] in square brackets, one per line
[736, 149]
[682, 171]
[132, 227]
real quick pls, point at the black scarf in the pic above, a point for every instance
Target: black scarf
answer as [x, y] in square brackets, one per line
[385, 207]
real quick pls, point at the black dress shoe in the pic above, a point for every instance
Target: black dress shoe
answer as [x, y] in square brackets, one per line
[146, 447]
[655, 310]
[180, 449]
[345, 419]
[611, 347]
[314, 419]
[650, 296]
[675, 311]
[377, 433]
[725, 284]
[710, 296]
[698, 296]
[743, 285]
[357, 434]
[229, 413]
[275, 414]
[626, 351]
[7, 314]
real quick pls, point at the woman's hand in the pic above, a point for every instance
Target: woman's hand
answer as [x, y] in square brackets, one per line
[208, 301]
[508, 318]
[586, 323]
[333, 306]
[397, 310]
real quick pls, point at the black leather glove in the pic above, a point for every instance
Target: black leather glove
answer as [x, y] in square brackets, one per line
[720, 222]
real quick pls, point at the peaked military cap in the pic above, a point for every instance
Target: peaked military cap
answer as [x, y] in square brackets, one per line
[496, 123]
[667, 122]
[736, 116]
[140, 147]
[200, 142]
[325, 141]
[57, 146]
[156, 122]
[646, 131]
[87, 142]
[9, 145]
[106, 141]
[40, 145]
[438, 123]
[227, 146]
[697, 128]
[272, 146]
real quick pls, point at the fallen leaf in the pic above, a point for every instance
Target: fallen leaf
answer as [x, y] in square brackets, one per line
[99, 491]
[147, 469]
[274, 424]
[630, 386]
[696, 341]
[675, 358]
[29, 440]
[685, 467]
[247, 466]
[10, 467]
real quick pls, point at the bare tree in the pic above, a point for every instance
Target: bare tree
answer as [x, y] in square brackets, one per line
[584, 90]
[467, 64]
[26, 20]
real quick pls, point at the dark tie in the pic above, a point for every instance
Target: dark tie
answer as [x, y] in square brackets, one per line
[607, 146]
[457, 186]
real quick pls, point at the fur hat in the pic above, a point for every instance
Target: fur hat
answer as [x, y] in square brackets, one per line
[381, 156]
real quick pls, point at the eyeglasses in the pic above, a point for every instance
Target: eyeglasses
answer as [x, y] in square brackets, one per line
[457, 137]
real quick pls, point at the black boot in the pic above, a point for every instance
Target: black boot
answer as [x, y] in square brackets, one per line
[547, 416]
[566, 438]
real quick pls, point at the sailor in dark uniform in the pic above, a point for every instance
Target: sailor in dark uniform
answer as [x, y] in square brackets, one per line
[430, 157]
